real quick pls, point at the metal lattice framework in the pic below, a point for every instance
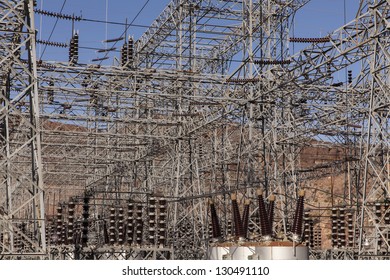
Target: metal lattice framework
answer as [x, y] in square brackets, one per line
[22, 211]
[211, 103]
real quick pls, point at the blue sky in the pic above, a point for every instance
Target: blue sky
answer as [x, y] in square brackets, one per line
[316, 19]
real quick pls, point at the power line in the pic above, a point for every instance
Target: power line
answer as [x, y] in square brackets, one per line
[127, 27]
[52, 31]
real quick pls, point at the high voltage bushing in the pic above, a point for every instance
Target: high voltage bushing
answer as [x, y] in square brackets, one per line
[341, 228]
[74, 48]
[111, 228]
[238, 227]
[121, 226]
[131, 50]
[127, 53]
[270, 211]
[57, 15]
[309, 40]
[216, 229]
[350, 229]
[334, 218]
[85, 221]
[71, 209]
[162, 220]
[245, 217]
[130, 223]
[264, 222]
[152, 220]
[59, 225]
[298, 218]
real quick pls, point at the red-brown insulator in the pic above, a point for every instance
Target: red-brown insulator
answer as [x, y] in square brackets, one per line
[341, 228]
[57, 15]
[270, 211]
[59, 225]
[238, 227]
[216, 229]
[245, 217]
[298, 219]
[309, 40]
[334, 218]
[162, 220]
[121, 226]
[264, 222]
[272, 62]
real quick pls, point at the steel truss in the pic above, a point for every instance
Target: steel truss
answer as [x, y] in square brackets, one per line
[212, 103]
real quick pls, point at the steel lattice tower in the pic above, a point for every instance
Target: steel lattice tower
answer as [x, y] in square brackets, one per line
[22, 207]
[209, 101]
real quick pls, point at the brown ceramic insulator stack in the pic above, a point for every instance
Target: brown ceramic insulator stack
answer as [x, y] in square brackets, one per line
[264, 222]
[77, 232]
[105, 233]
[216, 229]
[162, 220]
[341, 228]
[59, 225]
[311, 233]
[71, 208]
[238, 227]
[350, 77]
[334, 219]
[85, 221]
[130, 223]
[121, 226]
[111, 228]
[245, 217]
[17, 237]
[229, 227]
[209, 230]
[298, 218]
[306, 228]
[152, 220]
[309, 40]
[48, 231]
[139, 224]
[271, 207]
[350, 229]
[63, 234]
